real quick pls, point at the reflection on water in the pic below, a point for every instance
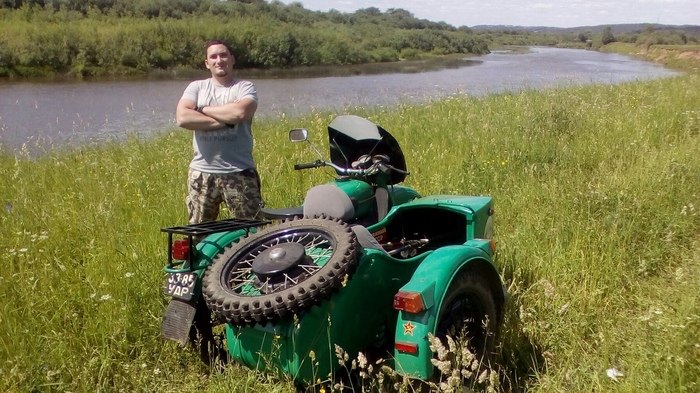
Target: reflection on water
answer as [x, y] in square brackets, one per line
[401, 67]
[78, 112]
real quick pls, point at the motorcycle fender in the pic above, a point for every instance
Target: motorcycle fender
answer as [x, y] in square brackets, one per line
[178, 319]
[432, 279]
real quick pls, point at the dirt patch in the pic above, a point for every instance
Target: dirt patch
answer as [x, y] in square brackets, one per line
[690, 58]
[691, 54]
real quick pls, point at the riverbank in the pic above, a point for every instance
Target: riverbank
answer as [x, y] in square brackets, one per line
[679, 57]
[80, 40]
[597, 241]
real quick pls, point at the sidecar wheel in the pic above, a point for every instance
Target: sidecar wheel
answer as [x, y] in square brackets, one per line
[468, 315]
[280, 270]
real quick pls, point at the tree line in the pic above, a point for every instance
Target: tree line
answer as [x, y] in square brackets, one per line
[586, 38]
[115, 37]
[119, 37]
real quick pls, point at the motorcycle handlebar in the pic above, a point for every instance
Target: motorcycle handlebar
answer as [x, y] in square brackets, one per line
[309, 165]
[401, 171]
[349, 171]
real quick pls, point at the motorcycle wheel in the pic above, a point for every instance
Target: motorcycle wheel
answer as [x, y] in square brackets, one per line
[468, 315]
[280, 270]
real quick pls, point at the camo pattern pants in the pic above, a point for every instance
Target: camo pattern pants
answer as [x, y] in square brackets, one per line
[240, 191]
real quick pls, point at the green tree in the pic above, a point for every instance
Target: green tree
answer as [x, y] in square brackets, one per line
[607, 36]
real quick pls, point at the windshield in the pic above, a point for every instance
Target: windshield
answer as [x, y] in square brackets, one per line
[351, 137]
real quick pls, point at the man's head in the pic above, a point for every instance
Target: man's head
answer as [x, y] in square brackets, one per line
[219, 59]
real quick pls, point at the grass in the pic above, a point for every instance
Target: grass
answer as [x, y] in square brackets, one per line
[597, 193]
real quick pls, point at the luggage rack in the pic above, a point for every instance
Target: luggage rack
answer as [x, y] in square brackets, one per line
[207, 228]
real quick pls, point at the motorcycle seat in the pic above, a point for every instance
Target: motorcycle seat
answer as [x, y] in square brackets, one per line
[286, 213]
[329, 200]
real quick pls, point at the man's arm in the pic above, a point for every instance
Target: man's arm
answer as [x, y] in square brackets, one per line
[234, 112]
[188, 117]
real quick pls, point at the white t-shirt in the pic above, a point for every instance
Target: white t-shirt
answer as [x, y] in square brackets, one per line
[229, 149]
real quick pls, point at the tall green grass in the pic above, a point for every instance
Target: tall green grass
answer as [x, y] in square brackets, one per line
[597, 194]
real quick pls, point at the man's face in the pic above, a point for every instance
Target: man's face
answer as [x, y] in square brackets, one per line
[219, 60]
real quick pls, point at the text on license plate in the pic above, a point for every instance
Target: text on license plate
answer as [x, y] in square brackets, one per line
[180, 285]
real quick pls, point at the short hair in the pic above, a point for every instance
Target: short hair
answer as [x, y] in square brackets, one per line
[217, 42]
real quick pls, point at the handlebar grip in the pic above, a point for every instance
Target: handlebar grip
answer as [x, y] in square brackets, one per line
[305, 166]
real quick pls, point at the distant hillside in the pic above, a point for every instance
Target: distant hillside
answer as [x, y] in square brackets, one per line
[617, 28]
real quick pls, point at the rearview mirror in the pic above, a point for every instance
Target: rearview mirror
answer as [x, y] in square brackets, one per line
[298, 135]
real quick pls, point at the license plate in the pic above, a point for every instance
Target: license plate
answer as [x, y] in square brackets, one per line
[180, 285]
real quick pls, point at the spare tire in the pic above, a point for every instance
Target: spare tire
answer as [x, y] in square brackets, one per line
[280, 270]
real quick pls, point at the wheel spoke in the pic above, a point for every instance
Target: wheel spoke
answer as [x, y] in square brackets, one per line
[310, 269]
[320, 257]
[287, 278]
[241, 278]
[317, 242]
[273, 262]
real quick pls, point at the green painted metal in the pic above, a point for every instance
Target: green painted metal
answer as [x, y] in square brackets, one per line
[401, 194]
[207, 249]
[360, 316]
[361, 191]
[431, 280]
[477, 209]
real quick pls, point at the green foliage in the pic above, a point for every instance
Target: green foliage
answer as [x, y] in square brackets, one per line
[607, 36]
[119, 36]
[589, 37]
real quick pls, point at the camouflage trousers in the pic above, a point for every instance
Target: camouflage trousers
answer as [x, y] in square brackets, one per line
[240, 191]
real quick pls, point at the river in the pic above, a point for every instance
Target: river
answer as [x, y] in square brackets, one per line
[50, 114]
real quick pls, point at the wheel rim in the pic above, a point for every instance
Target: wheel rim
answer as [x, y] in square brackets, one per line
[275, 262]
[280, 270]
[463, 316]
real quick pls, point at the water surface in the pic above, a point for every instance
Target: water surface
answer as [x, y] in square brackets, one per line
[78, 112]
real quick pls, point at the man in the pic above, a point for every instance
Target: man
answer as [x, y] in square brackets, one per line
[220, 111]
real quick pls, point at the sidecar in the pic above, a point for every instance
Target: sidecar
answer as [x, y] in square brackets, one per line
[364, 265]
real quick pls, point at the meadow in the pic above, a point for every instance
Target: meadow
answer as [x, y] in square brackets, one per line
[597, 192]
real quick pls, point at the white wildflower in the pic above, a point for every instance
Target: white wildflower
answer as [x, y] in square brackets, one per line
[445, 366]
[613, 373]
[563, 309]
[483, 377]
[361, 360]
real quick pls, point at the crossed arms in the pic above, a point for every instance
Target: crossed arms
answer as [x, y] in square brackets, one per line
[214, 117]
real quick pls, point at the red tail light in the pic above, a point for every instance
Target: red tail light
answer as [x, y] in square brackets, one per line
[409, 301]
[181, 250]
[406, 347]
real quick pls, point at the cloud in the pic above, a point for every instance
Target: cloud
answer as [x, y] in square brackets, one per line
[542, 6]
[556, 13]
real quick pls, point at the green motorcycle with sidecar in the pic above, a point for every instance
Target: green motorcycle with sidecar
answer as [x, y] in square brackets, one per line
[365, 264]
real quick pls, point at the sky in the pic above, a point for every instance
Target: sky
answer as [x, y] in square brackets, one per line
[551, 13]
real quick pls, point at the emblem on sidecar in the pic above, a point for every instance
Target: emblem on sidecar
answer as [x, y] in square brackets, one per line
[408, 328]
